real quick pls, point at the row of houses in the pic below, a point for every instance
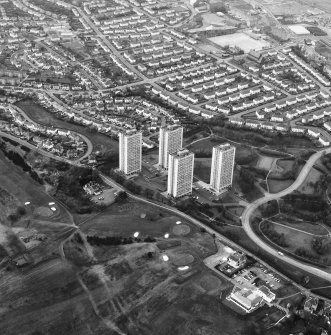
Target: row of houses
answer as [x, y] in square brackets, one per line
[293, 107]
[183, 106]
[241, 102]
[298, 84]
[202, 75]
[282, 128]
[54, 140]
[309, 69]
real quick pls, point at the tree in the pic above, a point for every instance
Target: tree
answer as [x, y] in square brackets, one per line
[148, 193]
[252, 329]
[198, 19]
[150, 254]
[121, 196]
[218, 7]
[320, 245]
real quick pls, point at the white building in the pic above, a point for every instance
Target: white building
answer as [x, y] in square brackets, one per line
[221, 174]
[245, 298]
[180, 174]
[170, 141]
[130, 152]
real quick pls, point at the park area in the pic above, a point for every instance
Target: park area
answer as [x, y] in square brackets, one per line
[240, 40]
[310, 241]
[309, 186]
[282, 174]
[300, 225]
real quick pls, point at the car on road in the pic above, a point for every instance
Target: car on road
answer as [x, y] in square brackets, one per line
[280, 253]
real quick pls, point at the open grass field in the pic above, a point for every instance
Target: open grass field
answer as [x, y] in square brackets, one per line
[210, 18]
[285, 164]
[265, 162]
[308, 227]
[20, 184]
[156, 183]
[205, 145]
[285, 7]
[275, 179]
[296, 239]
[276, 186]
[22, 188]
[235, 210]
[181, 230]
[77, 48]
[134, 217]
[40, 115]
[241, 41]
[320, 4]
[246, 156]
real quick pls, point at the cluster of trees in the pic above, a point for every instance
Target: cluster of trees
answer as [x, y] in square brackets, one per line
[322, 184]
[13, 217]
[270, 209]
[289, 75]
[121, 197]
[305, 253]
[326, 161]
[321, 245]
[194, 208]
[203, 153]
[269, 231]
[273, 153]
[194, 129]
[70, 188]
[107, 161]
[12, 142]
[117, 240]
[316, 64]
[198, 20]
[293, 172]
[246, 159]
[273, 33]
[246, 180]
[17, 159]
[136, 188]
[232, 132]
[305, 202]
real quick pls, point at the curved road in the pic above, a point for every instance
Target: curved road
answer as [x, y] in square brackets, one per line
[268, 197]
